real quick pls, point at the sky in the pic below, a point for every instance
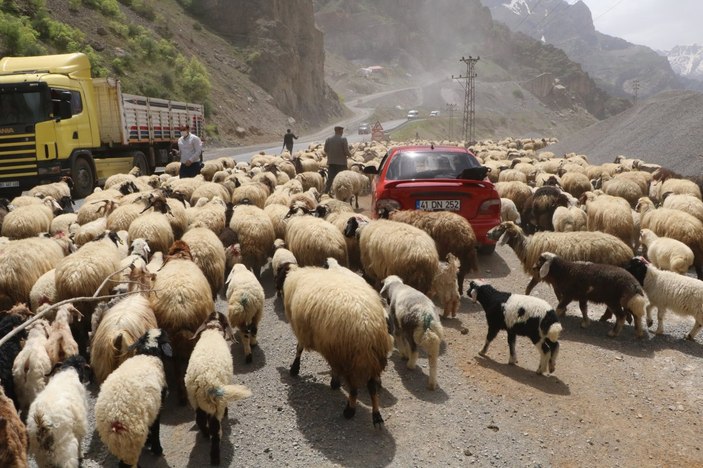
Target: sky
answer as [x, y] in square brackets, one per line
[659, 24]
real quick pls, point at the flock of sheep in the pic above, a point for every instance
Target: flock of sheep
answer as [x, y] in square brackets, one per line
[130, 280]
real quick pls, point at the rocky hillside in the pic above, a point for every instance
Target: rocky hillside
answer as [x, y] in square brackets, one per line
[687, 60]
[613, 62]
[665, 129]
[429, 37]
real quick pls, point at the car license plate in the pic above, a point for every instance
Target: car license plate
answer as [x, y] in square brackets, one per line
[12, 183]
[438, 205]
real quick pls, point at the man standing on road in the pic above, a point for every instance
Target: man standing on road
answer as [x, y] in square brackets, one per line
[337, 151]
[288, 141]
[190, 148]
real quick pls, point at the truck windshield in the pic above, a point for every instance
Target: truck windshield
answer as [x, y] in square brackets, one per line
[23, 105]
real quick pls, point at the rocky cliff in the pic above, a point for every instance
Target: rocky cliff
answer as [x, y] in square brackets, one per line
[687, 60]
[286, 51]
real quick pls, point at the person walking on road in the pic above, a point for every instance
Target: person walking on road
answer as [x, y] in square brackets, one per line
[337, 151]
[288, 141]
[190, 148]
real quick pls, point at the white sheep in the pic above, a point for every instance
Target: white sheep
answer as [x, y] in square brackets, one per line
[667, 290]
[128, 407]
[245, 305]
[666, 253]
[32, 365]
[58, 418]
[312, 240]
[569, 219]
[348, 184]
[416, 324]
[508, 211]
[208, 380]
[209, 254]
[281, 256]
[256, 235]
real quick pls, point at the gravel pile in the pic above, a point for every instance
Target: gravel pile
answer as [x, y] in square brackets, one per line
[666, 129]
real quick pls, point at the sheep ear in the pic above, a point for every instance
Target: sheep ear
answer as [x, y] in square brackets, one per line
[167, 350]
[544, 269]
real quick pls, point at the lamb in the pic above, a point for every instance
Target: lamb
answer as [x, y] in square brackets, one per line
[281, 256]
[341, 317]
[519, 315]
[666, 253]
[348, 184]
[128, 407]
[416, 324]
[569, 219]
[58, 418]
[208, 380]
[451, 233]
[445, 286]
[13, 435]
[32, 365]
[596, 247]
[412, 255]
[60, 343]
[592, 282]
[256, 235]
[209, 254]
[245, 299]
[312, 240]
[121, 326]
[182, 304]
[667, 290]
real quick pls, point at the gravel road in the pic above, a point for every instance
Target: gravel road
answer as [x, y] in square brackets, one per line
[611, 402]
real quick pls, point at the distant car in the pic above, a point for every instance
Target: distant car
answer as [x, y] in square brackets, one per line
[434, 113]
[364, 128]
[437, 178]
[412, 114]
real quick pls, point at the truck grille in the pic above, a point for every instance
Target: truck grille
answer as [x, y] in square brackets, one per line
[18, 156]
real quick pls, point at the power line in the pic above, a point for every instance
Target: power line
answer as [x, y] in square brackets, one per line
[606, 11]
[517, 28]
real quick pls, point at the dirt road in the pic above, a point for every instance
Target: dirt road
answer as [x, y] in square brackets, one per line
[611, 402]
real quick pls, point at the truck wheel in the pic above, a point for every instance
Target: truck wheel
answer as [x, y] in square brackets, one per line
[83, 178]
[139, 160]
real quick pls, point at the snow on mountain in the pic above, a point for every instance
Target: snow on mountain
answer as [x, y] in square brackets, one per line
[687, 61]
[519, 7]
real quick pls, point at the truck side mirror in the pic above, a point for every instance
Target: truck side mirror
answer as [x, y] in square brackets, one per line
[63, 103]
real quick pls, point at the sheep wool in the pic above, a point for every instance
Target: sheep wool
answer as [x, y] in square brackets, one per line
[209, 254]
[245, 299]
[13, 435]
[32, 365]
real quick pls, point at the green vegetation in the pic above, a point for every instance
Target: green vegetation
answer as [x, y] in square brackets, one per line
[106, 7]
[518, 94]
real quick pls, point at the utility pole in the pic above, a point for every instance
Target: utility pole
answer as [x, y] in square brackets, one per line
[469, 125]
[636, 87]
[450, 108]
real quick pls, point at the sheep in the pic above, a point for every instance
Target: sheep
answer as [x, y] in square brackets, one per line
[341, 317]
[348, 184]
[665, 253]
[208, 379]
[621, 187]
[27, 221]
[312, 240]
[519, 315]
[209, 190]
[518, 192]
[13, 435]
[667, 290]
[415, 324]
[596, 247]
[182, 304]
[509, 211]
[59, 191]
[538, 210]
[339, 220]
[412, 254]
[277, 214]
[172, 168]
[60, 343]
[312, 179]
[445, 286]
[22, 263]
[121, 218]
[451, 233]
[512, 175]
[256, 235]
[121, 326]
[255, 192]
[128, 407]
[9, 350]
[245, 305]
[90, 211]
[675, 224]
[569, 219]
[281, 255]
[611, 215]
[593, 282]
[307, 199]
[684, 202]
[332, 205]
[32, 365]
[209, 214]
[575, 183]
[58, 418]
[209, 254]
[155, 228]
[62, 222]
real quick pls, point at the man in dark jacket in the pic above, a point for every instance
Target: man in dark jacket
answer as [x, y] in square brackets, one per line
[288, 141]
[337, 151]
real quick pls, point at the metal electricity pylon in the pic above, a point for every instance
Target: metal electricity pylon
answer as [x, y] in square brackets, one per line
[469, 123]
[451, 107]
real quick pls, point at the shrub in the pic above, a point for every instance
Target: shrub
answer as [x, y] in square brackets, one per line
[18, 36]
[195, 81]
[518, 94]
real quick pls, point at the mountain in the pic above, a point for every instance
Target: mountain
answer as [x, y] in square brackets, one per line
[687, 60]
[612, 62]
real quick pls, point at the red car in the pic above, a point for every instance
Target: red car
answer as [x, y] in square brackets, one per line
[437, 178]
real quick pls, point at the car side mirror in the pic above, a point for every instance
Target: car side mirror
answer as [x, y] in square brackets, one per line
[370, 170]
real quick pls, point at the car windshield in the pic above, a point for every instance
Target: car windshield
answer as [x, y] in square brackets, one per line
[429, 165]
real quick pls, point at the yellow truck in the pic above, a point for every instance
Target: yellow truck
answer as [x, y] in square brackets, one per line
[56, 120]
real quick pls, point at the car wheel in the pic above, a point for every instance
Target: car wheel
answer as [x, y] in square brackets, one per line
[83, 178]
[486, 249]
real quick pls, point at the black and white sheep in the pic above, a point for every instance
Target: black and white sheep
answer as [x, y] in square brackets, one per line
[415, 324]
[593, 282]
[667, 290]
[519, 315]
